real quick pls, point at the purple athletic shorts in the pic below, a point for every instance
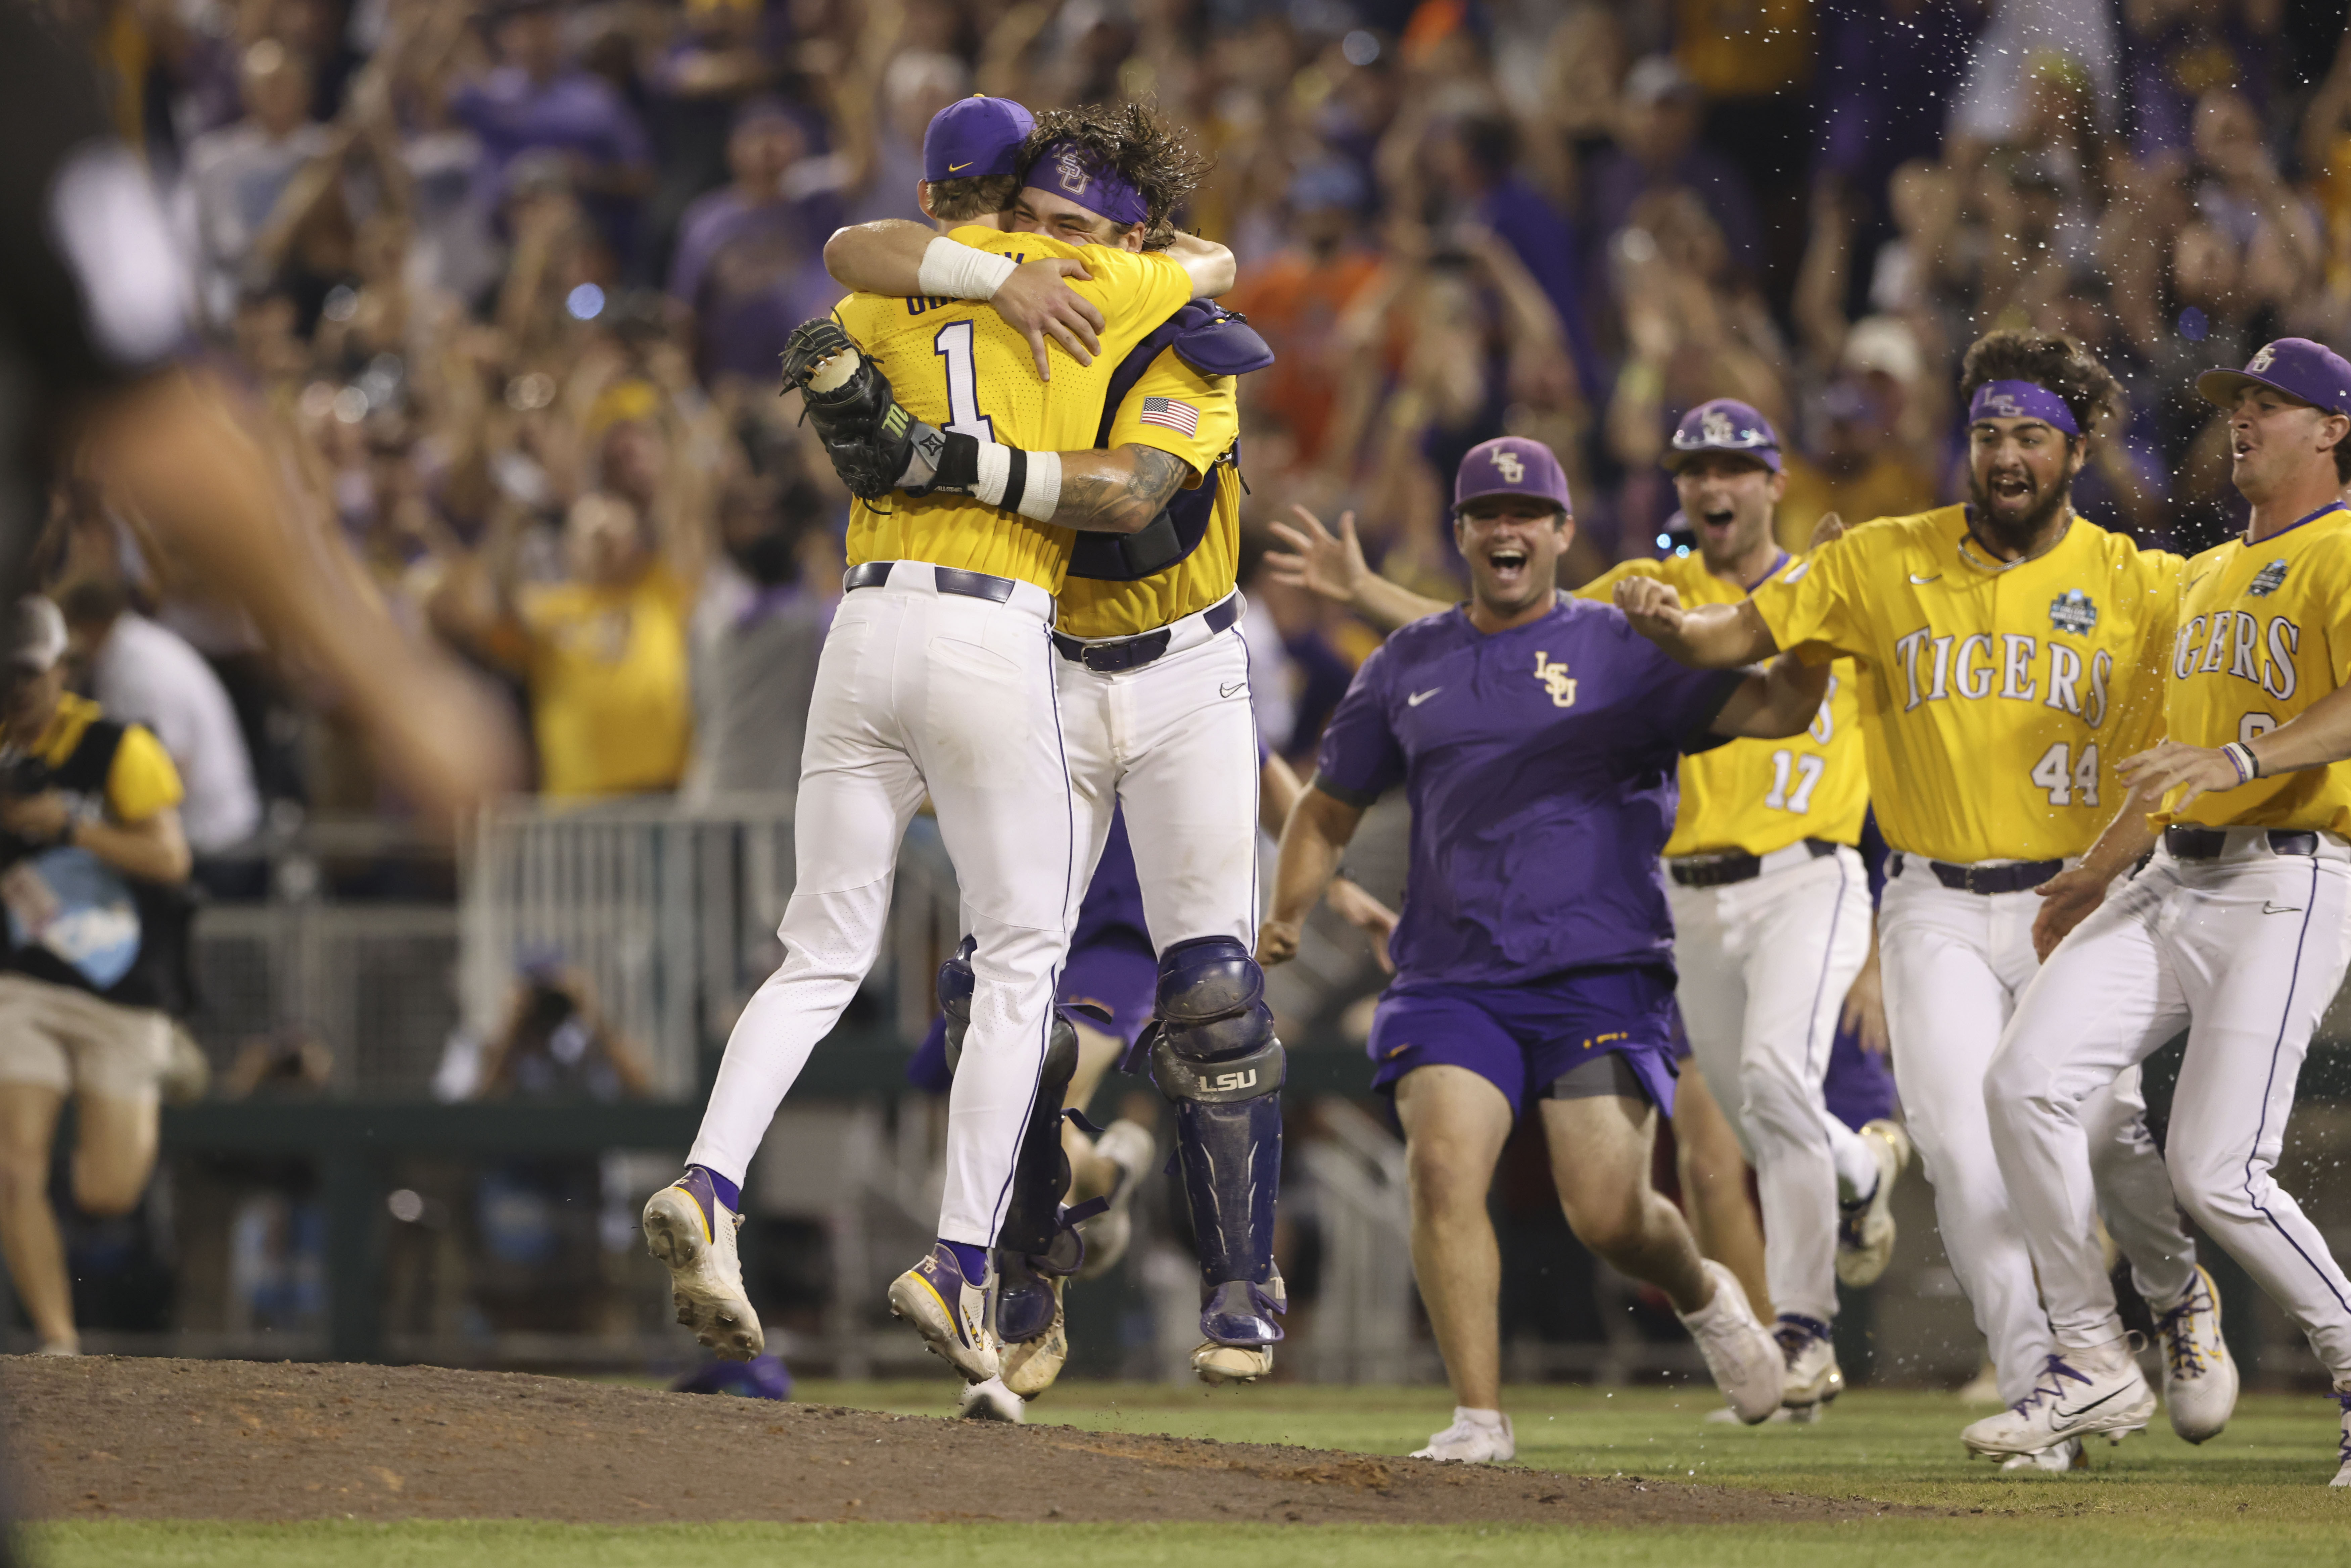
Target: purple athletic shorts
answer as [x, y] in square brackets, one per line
[1520, 1039]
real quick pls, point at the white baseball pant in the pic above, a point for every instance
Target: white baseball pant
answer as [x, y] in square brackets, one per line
[1177, 741]
[2244, 952]
[1765, 965]
[1954, 962]
[919, 691]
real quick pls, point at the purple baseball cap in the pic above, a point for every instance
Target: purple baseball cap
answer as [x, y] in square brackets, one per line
[2312, 373]
[1510, 465]
[1073, 170]
[1725, 424]
[975, 137]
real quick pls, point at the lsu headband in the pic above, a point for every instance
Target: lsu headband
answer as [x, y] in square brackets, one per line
[2021, 399]
[1067, 168]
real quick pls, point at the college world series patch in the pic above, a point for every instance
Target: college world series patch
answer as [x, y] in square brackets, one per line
[2073, 612]
[2266, 581]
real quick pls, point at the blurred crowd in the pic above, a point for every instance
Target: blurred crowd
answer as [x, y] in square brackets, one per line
[506, 281]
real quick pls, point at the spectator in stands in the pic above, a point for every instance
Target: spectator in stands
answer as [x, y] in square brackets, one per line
[91, 860]
[1658, 149]
[236, 174]
[1296, 297]
[141, 672]
[757, 651]
[1855, 470]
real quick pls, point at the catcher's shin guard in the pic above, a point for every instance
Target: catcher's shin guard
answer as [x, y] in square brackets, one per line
[1214, 1054]
[875, 445]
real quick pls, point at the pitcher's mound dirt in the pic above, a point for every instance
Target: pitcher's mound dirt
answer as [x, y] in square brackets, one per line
[136, 1438]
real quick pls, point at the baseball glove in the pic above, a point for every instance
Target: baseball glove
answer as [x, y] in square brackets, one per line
[872, 441]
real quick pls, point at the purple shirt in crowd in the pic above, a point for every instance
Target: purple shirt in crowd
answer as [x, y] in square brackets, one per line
[1540, 763]
[752, 273]
[575, 111]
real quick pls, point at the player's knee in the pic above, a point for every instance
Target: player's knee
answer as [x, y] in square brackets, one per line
[1214, 1034]
[1609, 1224]
[102, 1189]
[23, 1173]
[2210, 1183]
[1778, 1103]
[1445, 1175]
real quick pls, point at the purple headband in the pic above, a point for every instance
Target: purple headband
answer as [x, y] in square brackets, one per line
[2021, 399]
[1067, 168]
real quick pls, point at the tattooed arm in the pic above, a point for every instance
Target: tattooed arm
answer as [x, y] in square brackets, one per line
[1118, 491]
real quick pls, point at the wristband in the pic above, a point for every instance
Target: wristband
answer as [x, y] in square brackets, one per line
[2241, 758]
[1028, 482]
[954, 270]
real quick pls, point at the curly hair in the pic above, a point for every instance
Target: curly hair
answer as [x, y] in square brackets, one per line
[957, 200]
[1156, 157]
[2051, 359]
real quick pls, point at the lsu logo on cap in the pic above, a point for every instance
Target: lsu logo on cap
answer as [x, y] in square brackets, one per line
[1072, 171]
[1555, 676]
[2260, 361]
[2267, 581]
[2003, 405]
[1714, 428]
[1512, 468]
[2072, 611]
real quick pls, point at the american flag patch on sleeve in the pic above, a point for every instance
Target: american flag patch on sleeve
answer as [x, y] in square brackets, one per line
[1172, 412]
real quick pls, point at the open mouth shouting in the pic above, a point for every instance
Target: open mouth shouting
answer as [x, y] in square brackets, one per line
[1508, 563]
[2013, 489]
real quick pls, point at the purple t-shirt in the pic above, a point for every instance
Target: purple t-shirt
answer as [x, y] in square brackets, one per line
[751, 273]
[1540, 763]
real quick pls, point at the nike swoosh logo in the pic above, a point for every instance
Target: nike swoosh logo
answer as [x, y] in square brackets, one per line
[1419, 698]
[2061, 1413]
[1916, 577]
[952, 167]
[2269, 908]
[1233, 690]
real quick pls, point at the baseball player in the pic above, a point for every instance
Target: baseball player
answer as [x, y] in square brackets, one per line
[1157, 716]
[935, 678]
[2006, 650]
[1771, 906]
[1537, 736]
[2235, 930]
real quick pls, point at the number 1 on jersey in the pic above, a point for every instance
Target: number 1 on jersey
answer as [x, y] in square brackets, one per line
[954, 345]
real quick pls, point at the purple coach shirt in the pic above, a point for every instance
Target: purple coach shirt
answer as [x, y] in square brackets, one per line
[1540, 763]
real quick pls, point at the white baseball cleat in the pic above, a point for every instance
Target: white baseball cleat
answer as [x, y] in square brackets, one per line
[2342, 1476]
[687, 1228]
[990, 1400]
[950, 1312]
[2199, 1376]
[1724, 1415]
[2095, 1391]
[1221, 1363]
[1865, 1227]
[1030, 1366]
[1471, 1442]
[1746, 1361]
[1812, 1378]
[2065, 1457]
[1129, 1145]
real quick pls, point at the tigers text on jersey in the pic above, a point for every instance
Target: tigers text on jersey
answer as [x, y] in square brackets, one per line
[1204, 424]
[2265, 631]
[1999, 696]
[953, 363]
[1759, 796]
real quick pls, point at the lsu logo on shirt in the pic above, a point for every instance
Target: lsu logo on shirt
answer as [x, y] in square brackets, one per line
[1554, 676]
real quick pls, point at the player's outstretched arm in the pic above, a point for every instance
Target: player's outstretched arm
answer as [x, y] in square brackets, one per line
[2072, 896]
[1332, 566]
[1708, 637]
[1210, 265]
[2318, 736]
[1779, 700]
[899, 258]
[1320, 826]
[1278, 793]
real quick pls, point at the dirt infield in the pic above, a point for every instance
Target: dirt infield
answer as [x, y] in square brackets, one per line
[113, 1437]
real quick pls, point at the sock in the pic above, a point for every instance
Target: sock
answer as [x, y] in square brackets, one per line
[1811, 1328]
[972, 1261]
[1489, 1420]
[1856, 1167]
[728, 1192]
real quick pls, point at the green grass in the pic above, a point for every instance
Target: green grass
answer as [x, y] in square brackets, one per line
[2253, 1497]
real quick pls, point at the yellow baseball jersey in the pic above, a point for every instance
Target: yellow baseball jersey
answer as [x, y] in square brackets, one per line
[1197, 417]
[1761, 795]
[1997, 697]
[953, 363]
[2265, 631]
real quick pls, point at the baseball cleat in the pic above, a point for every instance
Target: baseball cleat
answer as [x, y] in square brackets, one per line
[1866, 1226]
[1239, 1332]
[1724, 1415]
[2342, 1476]
[1812, 1378]
[1129, 1145]
[990, 1400]
[2098, 1391]
[2200, 1377]
[1746, 1361]
[2066, 1458]
[950, 1312]
[687, 1228]
[1032, 1362]
[1219, 1365]
[1471, 1443]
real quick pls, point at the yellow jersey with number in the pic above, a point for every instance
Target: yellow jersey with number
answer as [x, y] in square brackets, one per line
[1759, 796]
[953, 363]
[1997, 697]
[2265, 631]
[1198, 418]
